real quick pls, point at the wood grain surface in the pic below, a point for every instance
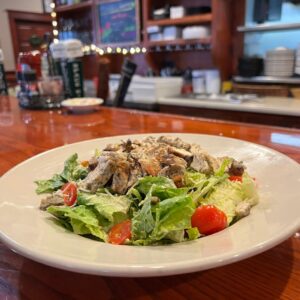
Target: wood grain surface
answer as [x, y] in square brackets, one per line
[274, 274]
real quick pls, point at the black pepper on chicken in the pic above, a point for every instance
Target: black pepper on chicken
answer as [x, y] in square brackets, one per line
[120, 165]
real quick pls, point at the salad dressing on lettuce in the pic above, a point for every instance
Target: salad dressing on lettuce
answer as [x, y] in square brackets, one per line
[149, 192]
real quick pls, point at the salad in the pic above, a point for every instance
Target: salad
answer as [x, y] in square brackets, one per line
[154, 191]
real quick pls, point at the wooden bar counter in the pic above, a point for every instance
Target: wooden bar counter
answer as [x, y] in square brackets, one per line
[274, 274]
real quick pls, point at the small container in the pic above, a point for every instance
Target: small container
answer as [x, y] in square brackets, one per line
[177, 12]
[29, 61]
[195, 32]
[212, 81]
[28, 95]
[171, 33]
[198, 82]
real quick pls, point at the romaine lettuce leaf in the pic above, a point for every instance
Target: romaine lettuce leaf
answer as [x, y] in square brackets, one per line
[143, 221]
[228, 194]
[111, 207]
[50, 185]
[82, 219]
[172, 214]
[73, 171]
[146, 183]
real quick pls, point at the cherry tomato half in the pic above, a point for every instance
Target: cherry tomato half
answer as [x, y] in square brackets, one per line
[120, 232]
[69, 191]
[209, 219]
[235, 178]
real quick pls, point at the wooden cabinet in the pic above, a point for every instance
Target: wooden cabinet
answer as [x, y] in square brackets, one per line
[27, 30]
[221, 50]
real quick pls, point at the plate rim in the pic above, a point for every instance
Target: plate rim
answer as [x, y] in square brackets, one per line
[147, 270]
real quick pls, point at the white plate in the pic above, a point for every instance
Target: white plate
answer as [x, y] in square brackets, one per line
[30, 232]
[82, 104]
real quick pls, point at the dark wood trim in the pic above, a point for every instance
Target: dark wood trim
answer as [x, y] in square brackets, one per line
[237, 116]
[14, 16]
[238, 16]
[11, 78]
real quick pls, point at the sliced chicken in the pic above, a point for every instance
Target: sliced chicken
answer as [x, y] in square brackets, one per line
[55, 199]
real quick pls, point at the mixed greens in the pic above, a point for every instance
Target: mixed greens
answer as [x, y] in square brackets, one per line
[153, 210]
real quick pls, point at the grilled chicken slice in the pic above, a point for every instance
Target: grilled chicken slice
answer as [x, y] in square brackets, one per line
[55, 199]
[176, 142]
[202, 161]
[150, 165]
[102, 173]
[121, 176]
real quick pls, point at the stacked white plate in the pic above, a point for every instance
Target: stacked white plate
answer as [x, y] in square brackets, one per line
[297, 64]
[280, 62]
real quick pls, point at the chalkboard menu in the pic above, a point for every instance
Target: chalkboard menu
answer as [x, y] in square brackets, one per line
[119, 22]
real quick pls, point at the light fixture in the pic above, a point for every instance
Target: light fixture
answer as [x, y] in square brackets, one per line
[124, 51]
[132, 51]
[101, 51]
[109, 50]
[55, 41]
[53, 14]
[144, 50]
[118, 50]
[93, 47]
[55, 32]
[137, 49]
[52, 5]
[54, 23]
[87, 48]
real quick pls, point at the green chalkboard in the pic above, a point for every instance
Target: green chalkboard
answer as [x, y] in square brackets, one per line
[119, 22]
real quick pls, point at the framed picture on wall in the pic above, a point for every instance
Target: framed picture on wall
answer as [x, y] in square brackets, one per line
[46, 6]
[119, 22]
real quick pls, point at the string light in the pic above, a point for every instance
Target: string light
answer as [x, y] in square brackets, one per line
[144, 50]
[132, 51]
[101, 51]
[124, 51]
[93, 47]
[119, 50]
[54, 23]
[109, 50]
[137, 49]
[86, 48]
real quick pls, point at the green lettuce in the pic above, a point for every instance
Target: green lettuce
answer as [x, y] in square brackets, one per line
[143, 221]
[171, 215]
[111, 207]
[146, 183]
[228, 194]
[73, 171]
[82, 220]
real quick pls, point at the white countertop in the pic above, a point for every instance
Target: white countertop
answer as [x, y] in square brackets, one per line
[267, 105]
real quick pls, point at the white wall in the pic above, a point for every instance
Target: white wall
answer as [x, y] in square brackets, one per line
[5, 37]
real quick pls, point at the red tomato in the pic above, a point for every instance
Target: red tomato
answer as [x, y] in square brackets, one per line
[120, 232]
[209, 219]
[69, 191]
[235, 178]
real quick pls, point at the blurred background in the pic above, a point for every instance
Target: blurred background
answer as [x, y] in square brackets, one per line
[170, 56]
